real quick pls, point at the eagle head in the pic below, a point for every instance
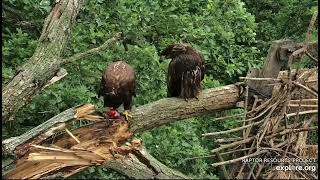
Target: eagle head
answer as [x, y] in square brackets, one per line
[173, 51]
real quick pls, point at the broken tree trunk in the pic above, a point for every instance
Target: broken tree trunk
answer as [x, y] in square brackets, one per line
[44, 67]
[100, 143]
[45, 62]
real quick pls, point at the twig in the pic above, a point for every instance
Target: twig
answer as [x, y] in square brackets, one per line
[224, 170]
[259, 169]
[239, 159]
[310, 27]
[303, 105]
[227, 140]
[267, 123]
[249, 152]
[233, 151]
[232, 130]
[200, 157]
[311, 57]
[94, 50]
[305, 100]
[75, 138]
[260, 79]
[251, 170]
[303, 112]
[232, 144]
[299, 107]
[227, 117]
[311, 81]
[286, 131]
[246, 132]
[305, 88]
[51, 148]
[59, 75]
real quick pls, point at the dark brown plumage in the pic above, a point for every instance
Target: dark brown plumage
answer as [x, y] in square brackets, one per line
[185, 72]
[118, 85]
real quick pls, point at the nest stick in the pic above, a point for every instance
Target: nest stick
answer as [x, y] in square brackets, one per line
[303, 112]
[306, 88]
[232, 144]
[224, 170]
[286, 131]
[226, 117]
[304, 100]
[239, 159]
[232, 130]
[233, 151]
[260, 79]
[303, 105]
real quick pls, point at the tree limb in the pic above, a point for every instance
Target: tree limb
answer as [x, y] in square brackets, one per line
[141, 165]
[169, 110]
[92, 51]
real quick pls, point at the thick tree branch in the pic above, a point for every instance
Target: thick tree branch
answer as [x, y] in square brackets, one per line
[169, 110]
[141, 165]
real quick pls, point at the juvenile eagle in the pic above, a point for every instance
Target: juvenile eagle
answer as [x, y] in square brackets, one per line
[185, 72]
[117, 87]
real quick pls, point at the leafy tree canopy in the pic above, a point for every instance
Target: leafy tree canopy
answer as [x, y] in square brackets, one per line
[232, 35]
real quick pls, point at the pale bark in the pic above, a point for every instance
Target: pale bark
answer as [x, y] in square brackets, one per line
[169, 110]
[42, 69]
[45, 62]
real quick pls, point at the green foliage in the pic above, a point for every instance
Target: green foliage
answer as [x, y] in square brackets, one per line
[223, 31]
[281, 19]
[98, 173]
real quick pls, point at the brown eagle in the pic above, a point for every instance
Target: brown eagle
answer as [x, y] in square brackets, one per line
[118, 85]
[185, 72]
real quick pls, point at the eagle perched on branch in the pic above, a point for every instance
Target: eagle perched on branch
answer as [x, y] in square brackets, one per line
[118, 85]
[185, 72]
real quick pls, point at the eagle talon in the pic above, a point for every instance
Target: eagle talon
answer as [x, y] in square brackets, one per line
[127, 115]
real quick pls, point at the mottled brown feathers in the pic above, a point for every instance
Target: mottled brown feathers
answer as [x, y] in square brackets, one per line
[185, 71]
[118, 85]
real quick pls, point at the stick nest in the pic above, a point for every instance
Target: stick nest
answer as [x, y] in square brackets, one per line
[273, 129]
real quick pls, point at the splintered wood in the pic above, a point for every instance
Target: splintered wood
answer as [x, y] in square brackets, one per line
[274, 129]
[99, 142]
